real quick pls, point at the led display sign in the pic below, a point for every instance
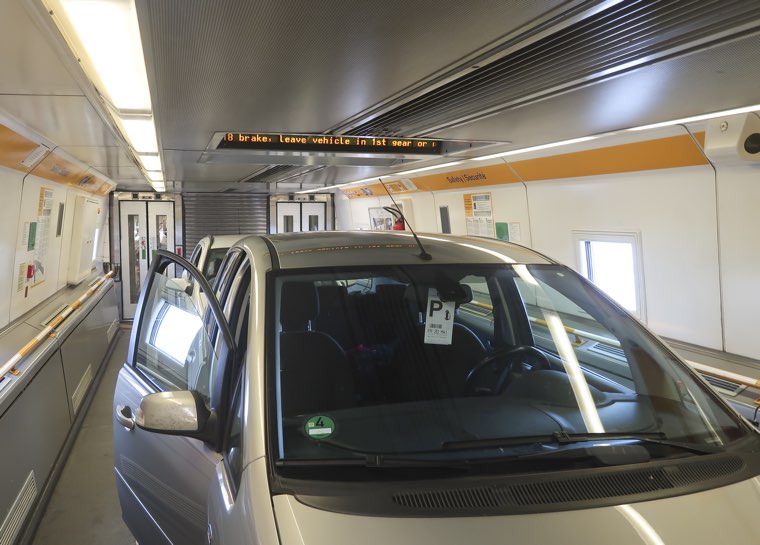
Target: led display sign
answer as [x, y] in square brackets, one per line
[329, 143]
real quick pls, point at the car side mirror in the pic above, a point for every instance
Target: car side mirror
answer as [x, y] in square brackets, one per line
[176, 413]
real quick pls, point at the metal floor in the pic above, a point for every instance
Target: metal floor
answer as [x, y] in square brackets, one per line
[84, 508]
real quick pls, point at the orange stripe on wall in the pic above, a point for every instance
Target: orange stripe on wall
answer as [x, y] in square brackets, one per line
[468, 178]
[672, 152]
[14, 148]
[57, 169]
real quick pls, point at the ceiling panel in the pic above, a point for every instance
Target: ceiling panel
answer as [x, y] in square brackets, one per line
[101, 156]
[29, 64]
[275, 65]
[184, 165]
[119, 173]
[65, 120]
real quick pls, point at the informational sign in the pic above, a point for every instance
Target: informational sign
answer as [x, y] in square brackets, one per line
[33, 244]
[508, 231]
[514, 232]
[40, 234]
[329, 143]
[478, 215]
[439, 319]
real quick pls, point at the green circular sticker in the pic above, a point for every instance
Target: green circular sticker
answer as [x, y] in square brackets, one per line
[319, 427]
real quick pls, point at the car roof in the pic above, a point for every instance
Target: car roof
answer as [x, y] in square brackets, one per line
[351, 248]
[224, 241]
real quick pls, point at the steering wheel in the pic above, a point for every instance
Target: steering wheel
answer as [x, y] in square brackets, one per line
[492, 374]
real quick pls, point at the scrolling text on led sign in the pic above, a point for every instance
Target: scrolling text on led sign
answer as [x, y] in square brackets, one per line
[329, 143]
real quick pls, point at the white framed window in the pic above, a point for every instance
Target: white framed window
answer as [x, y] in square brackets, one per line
[612, 261]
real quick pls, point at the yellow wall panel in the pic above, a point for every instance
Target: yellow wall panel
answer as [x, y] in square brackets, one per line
[672, 152]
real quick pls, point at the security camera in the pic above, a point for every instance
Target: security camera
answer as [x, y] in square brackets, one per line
[752, 143]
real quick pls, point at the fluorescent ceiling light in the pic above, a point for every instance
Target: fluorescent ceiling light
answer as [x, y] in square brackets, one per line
[150, 162]
[695, 118]
[141, 134]
[535, 148]
[106, 37]
[156, 176]
[364, 181]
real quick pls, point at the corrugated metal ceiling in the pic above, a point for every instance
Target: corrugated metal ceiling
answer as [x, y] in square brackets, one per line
[620, 38]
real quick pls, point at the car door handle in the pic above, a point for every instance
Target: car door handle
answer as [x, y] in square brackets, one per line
[125, 417]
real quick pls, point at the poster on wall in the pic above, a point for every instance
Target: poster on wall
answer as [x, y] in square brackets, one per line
[382, 220]
[478, 215]
[44, 215]
[34, 244]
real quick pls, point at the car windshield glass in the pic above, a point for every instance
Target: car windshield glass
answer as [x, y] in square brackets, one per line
[405, 360]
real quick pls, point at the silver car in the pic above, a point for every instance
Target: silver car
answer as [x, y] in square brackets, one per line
[370, 388]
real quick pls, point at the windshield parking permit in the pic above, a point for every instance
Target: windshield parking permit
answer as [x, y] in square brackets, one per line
[319, 427]
[439, 319]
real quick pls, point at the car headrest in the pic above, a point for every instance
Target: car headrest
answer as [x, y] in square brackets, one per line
[299, 305]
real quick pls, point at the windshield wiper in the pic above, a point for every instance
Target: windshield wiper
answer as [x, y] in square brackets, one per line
[376, 461]
[564, 438]
[372, 459]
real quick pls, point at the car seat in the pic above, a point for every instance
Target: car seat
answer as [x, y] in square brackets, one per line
[314, 370]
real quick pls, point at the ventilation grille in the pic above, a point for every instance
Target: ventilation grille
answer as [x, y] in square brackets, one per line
[724, 386]
[614, 40]
[219, 214]
[79, 393]
[271, 174]
[607, 350]
[569, 490]
[17, 515]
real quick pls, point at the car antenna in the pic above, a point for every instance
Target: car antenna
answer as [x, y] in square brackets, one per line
[424, 255]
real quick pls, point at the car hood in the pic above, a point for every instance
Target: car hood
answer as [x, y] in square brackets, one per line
[723, 515]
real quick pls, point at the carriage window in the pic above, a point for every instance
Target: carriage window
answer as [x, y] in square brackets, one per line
[611, 261]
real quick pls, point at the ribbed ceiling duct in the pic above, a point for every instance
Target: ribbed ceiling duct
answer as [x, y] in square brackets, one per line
[614, 40]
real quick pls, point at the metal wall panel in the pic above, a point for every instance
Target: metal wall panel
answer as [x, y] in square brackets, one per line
[219, 214]
[33, 431]
[84, 349]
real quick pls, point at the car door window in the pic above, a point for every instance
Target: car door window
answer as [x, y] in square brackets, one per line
[233, 454]
[226, 275]
[236, 310]
[174, 348]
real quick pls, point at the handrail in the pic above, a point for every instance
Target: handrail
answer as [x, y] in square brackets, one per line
[28, 348]
[699, 367]
[725, 375]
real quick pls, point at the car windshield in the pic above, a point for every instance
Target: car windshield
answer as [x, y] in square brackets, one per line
[459, 362]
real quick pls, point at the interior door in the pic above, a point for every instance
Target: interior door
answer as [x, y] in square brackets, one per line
[163, 480]
[133, 222]
[313, 216]
[288, 217]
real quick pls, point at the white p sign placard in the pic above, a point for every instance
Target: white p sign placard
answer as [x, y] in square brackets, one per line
[439, 319]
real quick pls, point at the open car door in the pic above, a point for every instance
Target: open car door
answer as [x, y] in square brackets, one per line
[174, 378]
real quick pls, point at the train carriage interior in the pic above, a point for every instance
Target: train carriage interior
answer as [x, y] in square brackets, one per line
[281, 249]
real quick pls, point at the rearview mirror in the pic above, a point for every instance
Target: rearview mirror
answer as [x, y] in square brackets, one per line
[176, 413]
[457, 293]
